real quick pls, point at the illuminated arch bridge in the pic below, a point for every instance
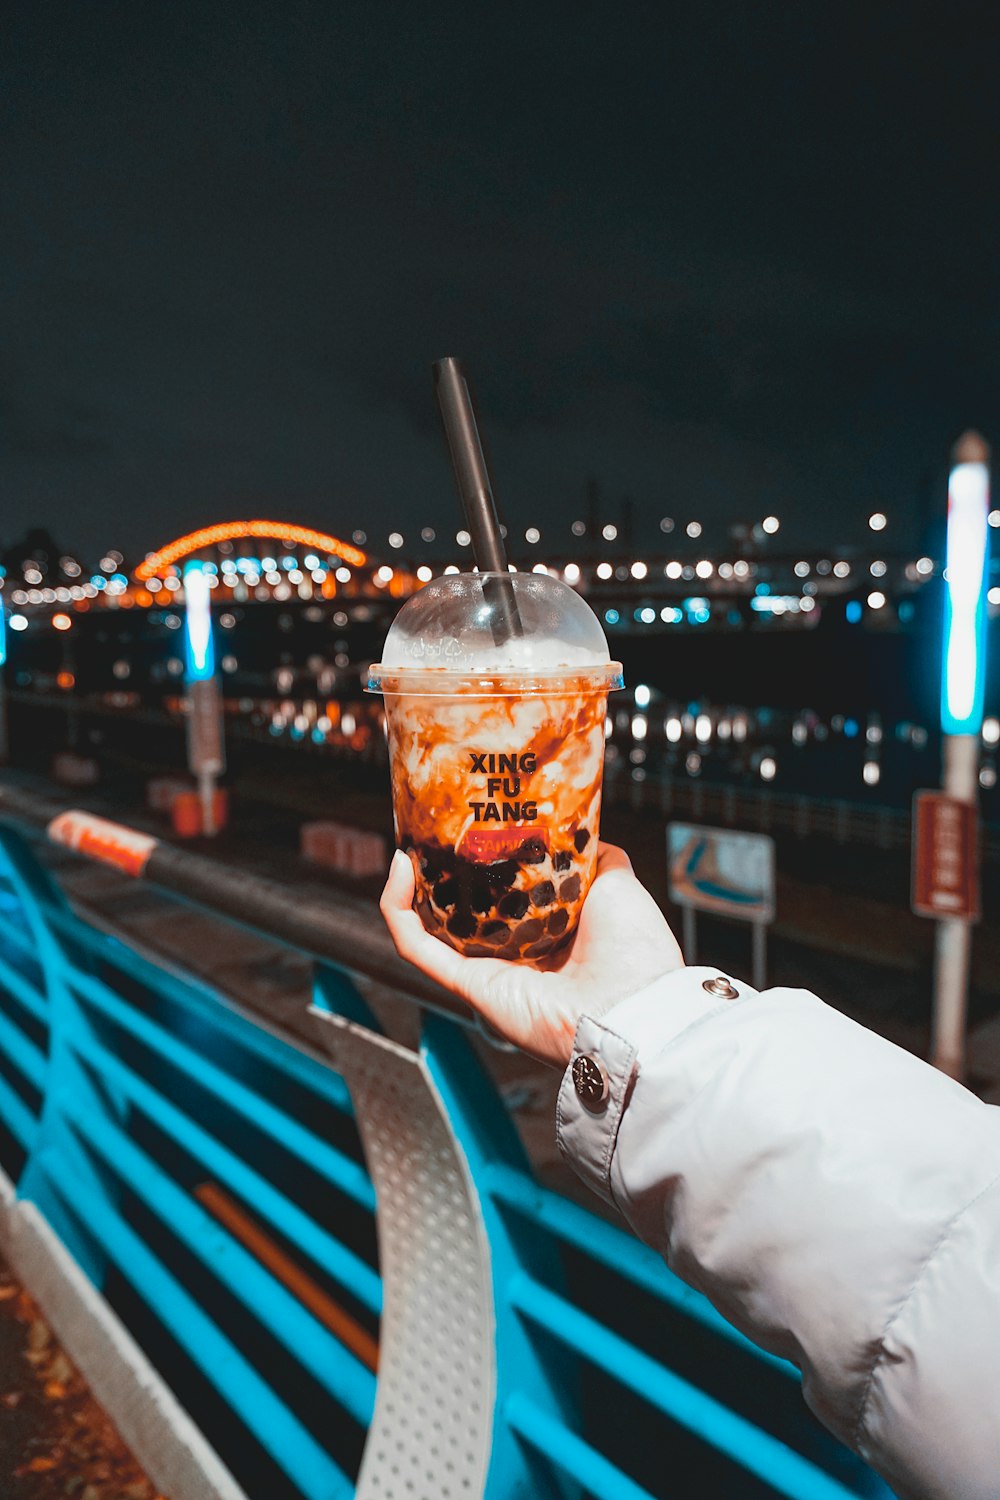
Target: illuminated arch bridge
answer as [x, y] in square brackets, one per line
[232, 531]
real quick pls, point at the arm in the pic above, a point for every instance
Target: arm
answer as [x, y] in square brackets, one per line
[837, 1199]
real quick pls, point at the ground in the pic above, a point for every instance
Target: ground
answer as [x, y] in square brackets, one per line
[54, 1438]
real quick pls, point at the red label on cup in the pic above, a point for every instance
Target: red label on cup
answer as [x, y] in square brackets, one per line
[483, 844]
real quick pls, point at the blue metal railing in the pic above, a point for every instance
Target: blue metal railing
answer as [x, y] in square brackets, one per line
[134, 1101]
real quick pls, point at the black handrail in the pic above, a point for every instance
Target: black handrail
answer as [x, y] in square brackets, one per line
[345, 930]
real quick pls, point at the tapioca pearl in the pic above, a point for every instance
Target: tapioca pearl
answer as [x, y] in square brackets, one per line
[528, 932]
[539, 949]
[446, 893]
[581, 838]
[561, 860]
[557, 921]
[435, 924]
[435, 862]
[569, 890]
[494, 932]
[531, 852]
[481, 897]
[478, 950]
[543, 894]
[461, 925]
[513, 905]
[502, 873]
[558, 944]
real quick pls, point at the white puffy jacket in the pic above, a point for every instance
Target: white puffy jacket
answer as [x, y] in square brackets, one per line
[837, 1199]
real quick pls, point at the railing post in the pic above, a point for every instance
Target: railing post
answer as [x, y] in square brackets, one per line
[333, 991]
[543, 1377]
[69, 1087]
[452, 1347]
[492, 1362]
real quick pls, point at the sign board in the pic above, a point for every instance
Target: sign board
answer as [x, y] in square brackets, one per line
[720, 871]
[945, 871]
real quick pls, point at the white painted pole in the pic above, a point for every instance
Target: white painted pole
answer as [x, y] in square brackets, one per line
[206, 746]
[206, 792]
[953, 940]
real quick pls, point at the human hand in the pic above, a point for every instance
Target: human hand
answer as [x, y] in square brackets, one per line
[622, 944]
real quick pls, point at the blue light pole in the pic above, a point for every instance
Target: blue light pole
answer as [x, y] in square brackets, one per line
[962, 687]
[205, 743]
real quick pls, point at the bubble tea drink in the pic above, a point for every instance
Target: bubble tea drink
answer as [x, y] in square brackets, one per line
[496, 745]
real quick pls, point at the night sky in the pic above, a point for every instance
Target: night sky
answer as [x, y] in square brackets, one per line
[725, 258]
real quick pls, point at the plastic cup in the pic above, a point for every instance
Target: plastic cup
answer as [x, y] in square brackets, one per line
[496, 748]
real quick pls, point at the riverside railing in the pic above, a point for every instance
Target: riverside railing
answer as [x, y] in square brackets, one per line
[344, 1265]
[858, 824]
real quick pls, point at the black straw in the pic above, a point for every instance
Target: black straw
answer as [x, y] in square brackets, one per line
[473, 481]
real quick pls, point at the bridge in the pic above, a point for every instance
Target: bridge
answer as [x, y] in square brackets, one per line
[743, 585]
[223, 535]
[248, 559]
[300, 1248]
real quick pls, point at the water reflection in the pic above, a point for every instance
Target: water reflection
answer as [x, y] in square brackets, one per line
[860, 757]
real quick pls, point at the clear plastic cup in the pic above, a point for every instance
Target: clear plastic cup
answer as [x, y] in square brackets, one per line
[496, 743]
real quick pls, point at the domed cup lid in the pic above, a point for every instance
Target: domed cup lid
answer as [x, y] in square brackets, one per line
[447, 638]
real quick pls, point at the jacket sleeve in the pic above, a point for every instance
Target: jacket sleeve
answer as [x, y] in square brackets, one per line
[837, 1199]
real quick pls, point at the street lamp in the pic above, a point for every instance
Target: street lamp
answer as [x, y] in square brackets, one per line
[962, 683]
[965, 599]
[206, 749]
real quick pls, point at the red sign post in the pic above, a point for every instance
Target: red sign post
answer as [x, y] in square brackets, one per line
[945, 870]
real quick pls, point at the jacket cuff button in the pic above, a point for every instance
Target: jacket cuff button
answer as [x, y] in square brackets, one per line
[721, 988]
[590, 1079]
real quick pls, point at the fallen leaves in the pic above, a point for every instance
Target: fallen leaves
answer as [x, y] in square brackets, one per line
[39, 1336]
[55, 1441]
